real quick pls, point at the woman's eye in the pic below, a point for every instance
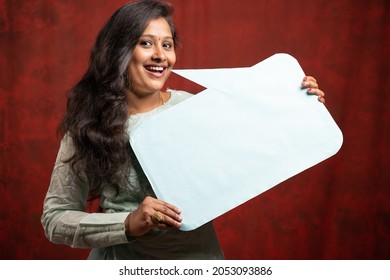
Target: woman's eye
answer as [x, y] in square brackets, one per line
[167, 45]
[145, 43]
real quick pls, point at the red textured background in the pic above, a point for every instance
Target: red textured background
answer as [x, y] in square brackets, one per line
[339, 209]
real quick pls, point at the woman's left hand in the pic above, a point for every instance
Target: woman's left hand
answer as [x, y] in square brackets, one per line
[312, 88]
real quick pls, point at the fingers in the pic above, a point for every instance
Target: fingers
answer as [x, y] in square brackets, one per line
[152, 213]
[312, 86]
[164, 206]
[318, 92]
[309, 82]
[161, 220]
[165, 214]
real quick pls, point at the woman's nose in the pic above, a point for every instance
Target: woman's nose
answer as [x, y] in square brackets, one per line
[159, 54]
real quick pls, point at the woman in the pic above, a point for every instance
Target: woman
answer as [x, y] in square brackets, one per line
[131, 60]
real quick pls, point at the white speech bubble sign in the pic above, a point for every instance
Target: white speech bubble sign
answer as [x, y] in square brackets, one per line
[251, 129]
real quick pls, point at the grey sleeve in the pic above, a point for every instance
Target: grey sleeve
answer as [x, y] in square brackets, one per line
[64, 218]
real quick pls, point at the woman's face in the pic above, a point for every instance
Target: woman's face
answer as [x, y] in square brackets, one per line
[153, 58]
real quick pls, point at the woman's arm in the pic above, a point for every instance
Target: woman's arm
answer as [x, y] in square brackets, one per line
[64, 218]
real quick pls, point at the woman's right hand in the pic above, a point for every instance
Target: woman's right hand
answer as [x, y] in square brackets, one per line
[152, 213]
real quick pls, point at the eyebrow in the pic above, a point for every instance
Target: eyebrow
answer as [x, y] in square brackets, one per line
[154, 36]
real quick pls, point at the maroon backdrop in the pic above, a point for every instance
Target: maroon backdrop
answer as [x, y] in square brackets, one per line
[338, 209]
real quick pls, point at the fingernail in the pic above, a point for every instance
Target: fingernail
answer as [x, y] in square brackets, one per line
[309, 89]
[303, 83]
[305, 78]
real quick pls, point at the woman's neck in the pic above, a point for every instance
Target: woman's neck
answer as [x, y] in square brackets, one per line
[138, 103]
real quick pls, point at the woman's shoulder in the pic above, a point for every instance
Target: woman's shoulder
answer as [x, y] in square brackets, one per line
[67, 148]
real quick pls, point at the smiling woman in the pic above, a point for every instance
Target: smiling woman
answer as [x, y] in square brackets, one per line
[150, 66]
[122, 85]
[130, 62]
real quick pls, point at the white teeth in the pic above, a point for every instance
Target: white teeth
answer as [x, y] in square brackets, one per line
[155, 68]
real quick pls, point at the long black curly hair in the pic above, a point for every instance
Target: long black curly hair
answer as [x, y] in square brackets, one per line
[97, 108]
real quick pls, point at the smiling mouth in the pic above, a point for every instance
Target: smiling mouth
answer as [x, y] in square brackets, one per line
[155, 69]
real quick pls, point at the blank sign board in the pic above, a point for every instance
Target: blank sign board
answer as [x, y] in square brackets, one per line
[251, 129]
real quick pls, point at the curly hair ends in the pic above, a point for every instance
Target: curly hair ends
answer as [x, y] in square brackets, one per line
[97, 110]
